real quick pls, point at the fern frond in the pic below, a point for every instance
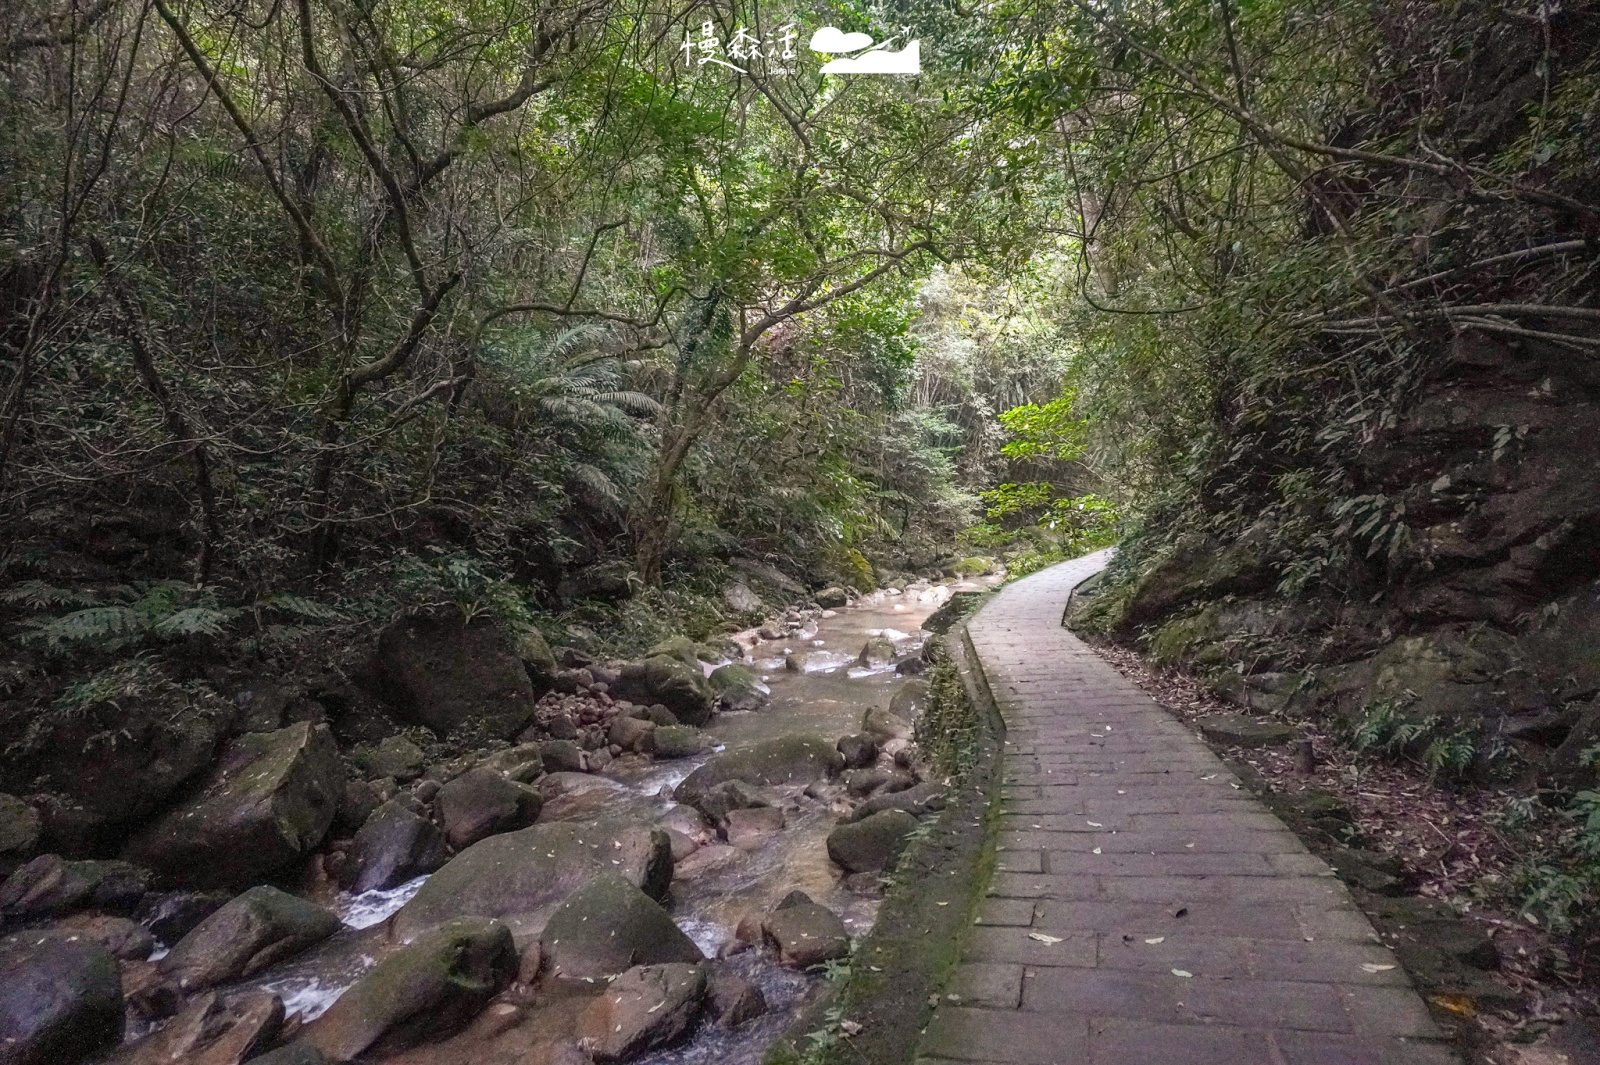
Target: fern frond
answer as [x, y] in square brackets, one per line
[302, 607]
[194, 620]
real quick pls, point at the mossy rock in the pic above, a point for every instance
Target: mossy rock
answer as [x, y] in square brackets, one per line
[784, 760]
[975, 566]
[608, 926]
[738, 687]
[679, 741]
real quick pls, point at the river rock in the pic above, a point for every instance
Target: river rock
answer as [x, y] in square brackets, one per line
[126, 940]
[677, 684]
[60, 999]
[50, 885]
[359, 801]
[872, 843]
[537, 658]
[751, 828]
[520, 877]
[784, 760]
[832, 597]
[398, 843]
[443, 672]
[863, 782]
[877, 651]
[19, 832]
[562, 756]
[680, 647]
[260, 927]
[918, 800]
[731, 999]
[481, 803]
[608, 926]
[632, 734]
[738, 687]
[805, 934]
[644, 1008]
[910, 700]
[211, 1030]
[523, 763]
[688, 820]
[171, 915]
[395, 757]
[425, 990]
[884, 725]
[267, 803]
[679, 741]
[727, 797]
[741, 600]
[1236, 730]
[858, 751]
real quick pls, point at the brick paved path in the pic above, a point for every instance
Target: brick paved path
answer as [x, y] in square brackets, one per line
[1146, 911]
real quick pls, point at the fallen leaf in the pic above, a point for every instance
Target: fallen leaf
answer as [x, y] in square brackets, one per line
[1096, 850]
[1042, 938]
[850, 1027]
[1153, 940]
[1461, 1004]
[1095, 824]
[1373, 967]
[1183, 973]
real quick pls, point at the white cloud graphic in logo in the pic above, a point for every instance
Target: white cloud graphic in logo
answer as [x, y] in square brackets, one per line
[833, 39]
[878, 61]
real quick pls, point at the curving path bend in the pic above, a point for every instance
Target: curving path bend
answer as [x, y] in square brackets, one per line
[1145, 909]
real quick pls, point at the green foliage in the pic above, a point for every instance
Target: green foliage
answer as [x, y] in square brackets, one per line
[464, 584]
[1050, 430]
[1384, 728]
[124, 616]
[1560, 887]
[948, 730]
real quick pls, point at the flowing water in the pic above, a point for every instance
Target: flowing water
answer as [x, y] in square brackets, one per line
[718, 884]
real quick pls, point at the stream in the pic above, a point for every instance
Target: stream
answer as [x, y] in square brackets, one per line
[718, 884]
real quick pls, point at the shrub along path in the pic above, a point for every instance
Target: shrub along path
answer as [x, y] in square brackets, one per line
[1146, 909]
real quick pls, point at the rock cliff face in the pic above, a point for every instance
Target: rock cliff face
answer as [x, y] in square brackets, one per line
[1481, 612]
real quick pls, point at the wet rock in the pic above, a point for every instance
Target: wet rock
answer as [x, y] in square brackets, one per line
[679, 741]
[397, 844]
[481, 803]
[20, 826]
[171, 915]
[801, 661]
[863, 782]
[212, 1030]
[559, 726]
[910, 700]
[60, 999]
[50, 885]
[599, 760]
[425, 990]
[443, 672]
[877, 651]
[632, 734]
[731, 999]
[644, 1008]
[805, 934]
[125, 939]
[520, 877]
[727, 797]
[752, 828]
[832, 597]
[678, 685]
[395, 757]
[912, 666]
[298, 1052]
[918, 801]
[872, 843]
[785, 760]
[682, 845]
[661, 717]
[608, 926]
[680, 647]
[738, 687]
[686, 819]
[884, 725]
[1236, 730]
[523, 763]
[563, 756]
[260, 927]
[357, 802]
[267, 803]
[773, 630]
[741, 600]
[858, 751]
[537, 658]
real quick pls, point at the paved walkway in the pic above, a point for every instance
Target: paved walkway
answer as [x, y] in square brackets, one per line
[1146, 911]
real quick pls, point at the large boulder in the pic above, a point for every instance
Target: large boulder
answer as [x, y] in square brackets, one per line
[741, 600]
[738, 687]
[832, 597]
[910, 700]
[127, 940]
[481, 803]
[60, 999]
[858, 751]
[873, 843]
[877, 651]
[260, 927]
[537, 658]
[447, 673]
[51, 885]
[785, 760]
[608, 926]
[805, 934]
[885, 725]
[721, 802]
[398, 843]
[677, 684]
[266, 805]
[679, 741]
[395, 757]
[521, 877]
[644, 1008]
[423, 991]
[213, 1029]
